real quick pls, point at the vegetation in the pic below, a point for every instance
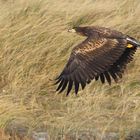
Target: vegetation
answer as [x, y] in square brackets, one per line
[34, 47]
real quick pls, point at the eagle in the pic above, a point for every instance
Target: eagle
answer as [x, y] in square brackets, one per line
[103, 55]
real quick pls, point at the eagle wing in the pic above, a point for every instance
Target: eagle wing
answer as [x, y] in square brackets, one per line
[89, 60]
[108, 33]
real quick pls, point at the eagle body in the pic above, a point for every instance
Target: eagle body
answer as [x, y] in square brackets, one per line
[103, 55]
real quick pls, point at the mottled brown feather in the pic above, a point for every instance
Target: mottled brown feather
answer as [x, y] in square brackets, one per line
[90, 62]
[103, 55]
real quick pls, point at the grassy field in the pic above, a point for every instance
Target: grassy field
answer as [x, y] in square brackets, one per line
[34, 47]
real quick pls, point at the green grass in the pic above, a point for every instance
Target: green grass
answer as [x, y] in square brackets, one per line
[34, 47]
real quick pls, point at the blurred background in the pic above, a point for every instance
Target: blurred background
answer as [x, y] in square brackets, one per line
[34, 47]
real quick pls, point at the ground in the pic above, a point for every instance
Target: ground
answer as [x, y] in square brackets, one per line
[34, 47]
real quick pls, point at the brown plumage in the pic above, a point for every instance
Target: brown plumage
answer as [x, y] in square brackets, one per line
[103, 55]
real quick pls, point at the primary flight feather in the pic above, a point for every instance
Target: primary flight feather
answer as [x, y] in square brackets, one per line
[103, 55]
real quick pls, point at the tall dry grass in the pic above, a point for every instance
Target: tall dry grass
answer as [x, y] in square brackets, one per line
[34, 47]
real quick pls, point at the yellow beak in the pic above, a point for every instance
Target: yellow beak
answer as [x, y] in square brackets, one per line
[72, 30]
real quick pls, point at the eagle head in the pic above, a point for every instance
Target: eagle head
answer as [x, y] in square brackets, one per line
[84, 31]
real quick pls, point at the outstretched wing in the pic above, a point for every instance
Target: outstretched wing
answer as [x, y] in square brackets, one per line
[90, 59]
[107, 32]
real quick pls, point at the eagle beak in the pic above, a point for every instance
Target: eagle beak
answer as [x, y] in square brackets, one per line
[72, 30]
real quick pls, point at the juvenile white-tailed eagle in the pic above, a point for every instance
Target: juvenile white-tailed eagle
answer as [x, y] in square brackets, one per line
[103, 55]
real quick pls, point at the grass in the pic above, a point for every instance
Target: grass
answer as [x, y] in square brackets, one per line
[34, 47]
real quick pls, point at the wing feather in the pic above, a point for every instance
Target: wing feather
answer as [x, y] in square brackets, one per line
[102, 78]
[76, 86]
[91, 61]
[64, 85]
[113, 75]
[107, 77]
[69, 87]
[60, 85]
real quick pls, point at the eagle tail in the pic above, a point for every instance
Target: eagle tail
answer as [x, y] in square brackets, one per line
[133, 41]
